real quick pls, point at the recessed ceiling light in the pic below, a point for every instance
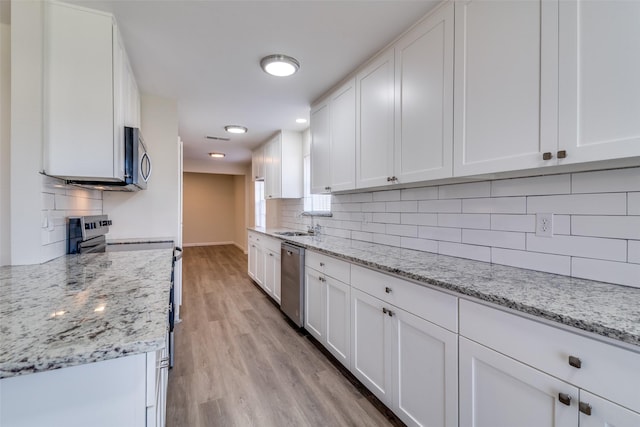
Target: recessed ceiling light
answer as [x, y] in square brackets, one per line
[301, 120]
[279, 65]
[217, 155]
[236, 129]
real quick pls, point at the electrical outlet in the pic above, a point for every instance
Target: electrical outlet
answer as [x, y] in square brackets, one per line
[544, 224]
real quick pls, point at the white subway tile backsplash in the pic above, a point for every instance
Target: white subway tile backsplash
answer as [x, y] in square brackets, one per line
[385, 239]
[419, 218]
[500, 239]
[561, 224]
[606, 271]
[361, 235]
[504, 205]
[423, 193]
[557, 264]
[538, 185]
[361, 197]
[48, 201]
[620, 227]
[633, 204]
[633, 254]
[440, 233]
[402, 230]
[608, 181]
[586, 247]
[374, 227]
[341, 198]
[579, 204]
[440, 206]
[389, 218]
[523, 223]
[480, 253]
[419, 244]
[465, 220]
[373, 207]
[336, 232]
[406, 206]
[351, 225]
[386, 196]
[463, 191]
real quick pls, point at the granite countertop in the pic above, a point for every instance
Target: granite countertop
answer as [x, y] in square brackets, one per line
[609, 310]
[80, 309]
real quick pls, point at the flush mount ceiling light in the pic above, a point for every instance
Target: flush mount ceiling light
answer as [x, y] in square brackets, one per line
[279, 65]
[217, 155]
[301, 120]
[235, 129]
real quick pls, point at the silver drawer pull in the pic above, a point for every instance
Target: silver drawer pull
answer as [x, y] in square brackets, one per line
[575, 362]
[322, 264]
[387, 289]
[564, 399]
[384, 310]
[585, 408]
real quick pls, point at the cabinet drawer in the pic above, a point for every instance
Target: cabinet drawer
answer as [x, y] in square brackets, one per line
[253, 236]
[270, 243]
[431, 305]
[606, 370]
[340, 270]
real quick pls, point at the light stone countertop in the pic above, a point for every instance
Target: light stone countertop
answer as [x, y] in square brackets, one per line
[80, 309]
[605, 309]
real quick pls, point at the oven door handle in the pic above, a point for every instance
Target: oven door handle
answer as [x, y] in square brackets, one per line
[177, 257]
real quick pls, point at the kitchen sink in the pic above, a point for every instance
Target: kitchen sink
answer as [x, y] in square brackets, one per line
[292, 233]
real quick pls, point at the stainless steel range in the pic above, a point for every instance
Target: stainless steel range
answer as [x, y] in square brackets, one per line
[86, 234]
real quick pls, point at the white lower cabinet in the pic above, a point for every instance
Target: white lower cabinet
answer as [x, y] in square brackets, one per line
[327, 308]
[598, 412]
[264, 263]
[127, 391]
[410, 364]
[496, 391]
[272, 273]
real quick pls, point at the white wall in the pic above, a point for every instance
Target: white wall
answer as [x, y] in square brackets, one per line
[205, 166]
[153, 213]
[5, 139]
[596, 222]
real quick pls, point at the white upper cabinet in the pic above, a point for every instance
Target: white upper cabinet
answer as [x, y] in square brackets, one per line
[333, 141]
[375, 122]
[257, 163]
[283, 166]
[343, 137]
[505, 78]
[90, 94]
[320, 148]
[599, 103]
[424, 100]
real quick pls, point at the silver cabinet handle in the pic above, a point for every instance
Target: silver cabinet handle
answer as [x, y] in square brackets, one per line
[386, 311]
[564, 398]
[270, 254]
[387, 289]
[575, 362]
[322, 264]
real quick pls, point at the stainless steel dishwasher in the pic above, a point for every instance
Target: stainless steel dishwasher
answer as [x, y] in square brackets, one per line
[292, 282]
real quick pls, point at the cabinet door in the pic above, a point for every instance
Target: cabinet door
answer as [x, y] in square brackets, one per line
[505, 108]
[277, 277]
[371, 338]
[320, 149]
[343, 138]
[315, 289]
[257, 163]
[374, 130]
[339, 320]
[599, 86]
[496, 391]
[78, 98]
[605, 413]
[425, 372]
[120, 100]
[260, 266]
[424, 100]
[253, 261]
[273, 172]
[269, 271]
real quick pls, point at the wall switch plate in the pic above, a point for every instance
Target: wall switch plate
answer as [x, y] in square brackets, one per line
[544, 224]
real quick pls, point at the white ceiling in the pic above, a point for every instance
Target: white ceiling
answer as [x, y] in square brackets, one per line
[205, 55]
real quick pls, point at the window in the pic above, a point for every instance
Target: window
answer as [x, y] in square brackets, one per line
[261, 208]
[314, 202]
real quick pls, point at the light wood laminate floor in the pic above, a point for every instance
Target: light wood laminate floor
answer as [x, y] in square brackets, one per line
[240, 363]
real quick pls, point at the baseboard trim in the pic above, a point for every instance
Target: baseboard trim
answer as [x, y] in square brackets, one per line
[187, 245]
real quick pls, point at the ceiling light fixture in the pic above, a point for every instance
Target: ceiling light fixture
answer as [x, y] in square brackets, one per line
[235, 129]
[279, 65]
[217, 155]
[301, 120]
